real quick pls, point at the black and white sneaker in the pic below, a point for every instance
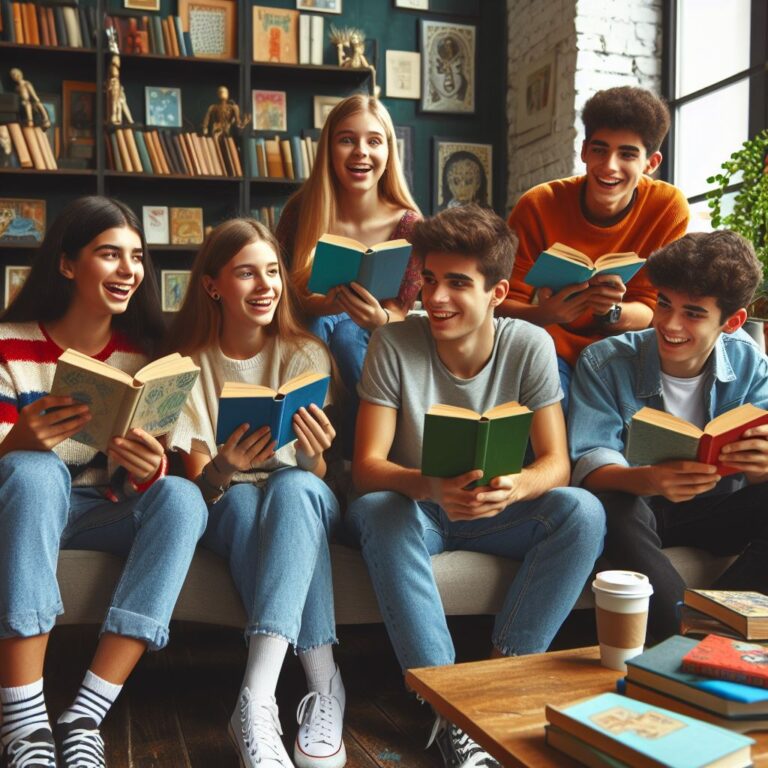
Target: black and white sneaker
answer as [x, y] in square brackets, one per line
[80, 744]
[35, 750]
[457, 749]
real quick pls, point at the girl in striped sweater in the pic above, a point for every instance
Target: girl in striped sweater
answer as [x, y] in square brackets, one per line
[91, 288]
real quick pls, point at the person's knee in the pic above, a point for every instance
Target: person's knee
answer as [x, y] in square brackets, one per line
[38, 469]
[302, 495]
[180, 503]
[581, 511]
[381, 514]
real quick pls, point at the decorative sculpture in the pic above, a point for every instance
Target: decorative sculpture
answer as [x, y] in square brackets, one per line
[30, 101]
[224, 116]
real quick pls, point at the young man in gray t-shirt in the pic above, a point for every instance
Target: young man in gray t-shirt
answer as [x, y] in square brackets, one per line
[460, 355]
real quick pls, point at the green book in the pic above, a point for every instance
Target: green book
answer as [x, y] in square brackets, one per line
[458, 440]
[143, 153]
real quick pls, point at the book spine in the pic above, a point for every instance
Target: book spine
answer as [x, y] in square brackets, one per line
[157, 35]
[141, 146]
[235, 155]
[20, 145]
[705, 669]
[133, 150]
[9, 31]
[304, 50]
[298, 165]
[116, 151]
[317, 40]
[34, 149]
[481, 449]
[61, 27]
[31, 30]
[18, 23]
[179, 36]
[42, 25]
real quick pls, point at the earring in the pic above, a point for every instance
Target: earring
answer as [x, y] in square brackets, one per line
[216, 296]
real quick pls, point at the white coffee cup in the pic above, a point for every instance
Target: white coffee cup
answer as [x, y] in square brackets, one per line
[621, 609]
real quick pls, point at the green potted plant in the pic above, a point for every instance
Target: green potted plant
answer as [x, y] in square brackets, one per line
[749, 215]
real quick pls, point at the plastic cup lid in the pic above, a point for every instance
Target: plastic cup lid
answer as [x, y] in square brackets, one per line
[628, 583]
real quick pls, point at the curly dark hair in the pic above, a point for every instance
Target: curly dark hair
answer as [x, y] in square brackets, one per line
[720, 264]
[473, 231]
[630, 109]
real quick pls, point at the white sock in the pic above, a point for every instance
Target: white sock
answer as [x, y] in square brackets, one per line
[319, 667]
[93, 700]
[23, 709]
[265, 660]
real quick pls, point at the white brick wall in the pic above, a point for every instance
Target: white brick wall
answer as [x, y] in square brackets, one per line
[599, 44]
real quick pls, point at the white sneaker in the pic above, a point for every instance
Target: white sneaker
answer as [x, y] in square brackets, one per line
[255, 731]
[321, 717]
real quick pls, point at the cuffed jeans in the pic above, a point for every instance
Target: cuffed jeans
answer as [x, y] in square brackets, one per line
[557, 537]
[40, 513]
[276, 541]
[723, 524]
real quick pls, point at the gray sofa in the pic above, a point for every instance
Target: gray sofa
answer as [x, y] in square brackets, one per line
[469, 582]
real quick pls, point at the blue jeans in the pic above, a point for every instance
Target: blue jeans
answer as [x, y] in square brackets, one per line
[348, 343]
[276, 541]
[557, 537]
[40, 513]
[566, 372]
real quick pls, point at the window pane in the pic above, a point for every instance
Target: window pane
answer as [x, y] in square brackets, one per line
[701, 215]
[712, 42]
[708, 129]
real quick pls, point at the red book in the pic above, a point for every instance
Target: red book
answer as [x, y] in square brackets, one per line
[729, 659]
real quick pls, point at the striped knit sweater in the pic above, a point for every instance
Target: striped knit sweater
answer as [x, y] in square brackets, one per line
[28, 359]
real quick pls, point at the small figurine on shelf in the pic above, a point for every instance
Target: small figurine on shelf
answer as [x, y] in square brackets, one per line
[29, 100]
[224, 116]
[350, 46]
[117, 104]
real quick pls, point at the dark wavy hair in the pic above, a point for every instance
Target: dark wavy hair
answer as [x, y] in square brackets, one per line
[46, 293]
[627, 108]
[720, 264]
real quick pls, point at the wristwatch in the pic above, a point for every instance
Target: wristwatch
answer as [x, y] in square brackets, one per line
[611, 317]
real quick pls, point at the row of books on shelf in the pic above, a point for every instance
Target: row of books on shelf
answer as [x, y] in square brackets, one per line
[150, 34]
[162, 152]
[280, 158]
[268, 215]
[56, 23]
[30, 147]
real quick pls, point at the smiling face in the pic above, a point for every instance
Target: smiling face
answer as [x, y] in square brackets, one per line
[248, 286]
[687, 329]
[107, 271]
[359, 152]
[616, 161]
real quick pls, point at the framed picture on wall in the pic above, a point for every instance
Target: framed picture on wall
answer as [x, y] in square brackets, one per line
[78, 118]
[462, 173]
[270, 112]
[163, 106]
[403, 74]
[413, 5]
[404, 138]
[14, 279]
[212, 25]
[22, 220]
[52, 105]
[322, 108]
[447, 67]
[319, 6]
[173, 284]
[142, 5]
[536, 98]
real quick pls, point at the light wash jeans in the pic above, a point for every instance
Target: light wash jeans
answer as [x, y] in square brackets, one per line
[566, 373]
[276, 541]
[40, 513]
[348, 343]
[557, 537]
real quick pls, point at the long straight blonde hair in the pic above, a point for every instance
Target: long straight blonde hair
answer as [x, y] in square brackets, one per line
[317, 199]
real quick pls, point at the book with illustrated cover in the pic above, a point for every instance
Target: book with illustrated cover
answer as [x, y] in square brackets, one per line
[646, 736]
[560, 266]
[655, 436]
[729, 659]
[275, 35]
[151, 400]
[262, 406]
[186, 226]
[458, 440]
[341, 260]
[746, 612]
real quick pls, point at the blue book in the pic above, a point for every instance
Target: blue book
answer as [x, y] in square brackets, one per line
[647, 736]
[188, 43]
[659, 668]
[341, 260]
[179, 35]
[262, 406]
[560, 266]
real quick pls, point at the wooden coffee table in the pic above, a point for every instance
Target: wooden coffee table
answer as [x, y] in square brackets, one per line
[500, 702]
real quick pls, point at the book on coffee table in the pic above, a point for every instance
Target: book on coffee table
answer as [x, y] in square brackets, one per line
[729, 659]
[746, 612]
[579, 750]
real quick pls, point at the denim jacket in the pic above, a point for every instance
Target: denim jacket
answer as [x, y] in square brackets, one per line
[617, 376]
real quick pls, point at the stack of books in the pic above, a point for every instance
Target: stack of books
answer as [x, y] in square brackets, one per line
[742, 615]
[56, 23]
[163, 152]
[311, 39]
[279, 158]
[612, 731]
[31, 147]
[151, 34]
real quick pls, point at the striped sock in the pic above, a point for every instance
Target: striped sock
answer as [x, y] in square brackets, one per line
[93, 700]
[23, 710]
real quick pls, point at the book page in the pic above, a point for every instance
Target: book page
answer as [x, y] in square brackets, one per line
[344, 242]
[511, 408]
[743, 415]
[453, 411]
[161, 401]
[608, 260]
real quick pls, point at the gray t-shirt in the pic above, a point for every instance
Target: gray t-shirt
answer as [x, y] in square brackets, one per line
[403, 370]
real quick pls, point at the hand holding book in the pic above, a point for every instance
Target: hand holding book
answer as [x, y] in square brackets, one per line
[138, 452]
[243, 451]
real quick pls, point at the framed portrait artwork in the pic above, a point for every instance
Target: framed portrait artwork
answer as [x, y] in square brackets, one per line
[536, 98]
[269, 110]
[462, 174]
[404, 138]
[319, 6]
[174, 284]
[447, 67]
[413, 5]
[322, 108]
[142, 5]
[212, 26]
[21, 220]
[78, 117]
[163, 106]
[14, 279]
[403, 74]
[52, 105]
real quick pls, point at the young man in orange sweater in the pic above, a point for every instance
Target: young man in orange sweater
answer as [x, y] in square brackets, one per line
[614, 207]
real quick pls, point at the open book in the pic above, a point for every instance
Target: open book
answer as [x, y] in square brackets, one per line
[561, 265]
[655, 436]
[151, 400]
[263, 406]
[458, 440]
[340, 260]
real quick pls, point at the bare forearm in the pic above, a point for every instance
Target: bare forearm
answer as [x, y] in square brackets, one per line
[543, 475]
[635, 316]
[371, 475]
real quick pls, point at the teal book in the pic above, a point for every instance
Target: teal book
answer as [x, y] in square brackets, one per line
[262, 406]
[659, 668]
[141, 146]
[560, 266]
[342, 260]
[179, 35]
[250, 153]
[458, 440]
[299, 172]
[647, 736]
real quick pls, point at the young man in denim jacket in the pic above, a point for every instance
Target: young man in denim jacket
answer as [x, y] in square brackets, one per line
[696, 364]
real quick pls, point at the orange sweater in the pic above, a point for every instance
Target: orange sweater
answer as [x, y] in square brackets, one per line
[551, 213]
